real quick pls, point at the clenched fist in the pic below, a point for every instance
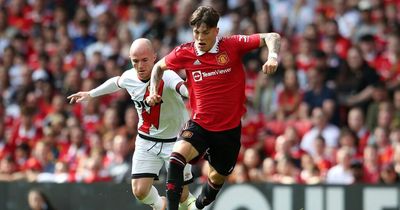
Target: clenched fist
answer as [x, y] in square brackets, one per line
[270, 66]
[152, 100]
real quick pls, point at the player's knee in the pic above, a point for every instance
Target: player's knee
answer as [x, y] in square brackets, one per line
[186, 150]
[140, 192]
[216, 178]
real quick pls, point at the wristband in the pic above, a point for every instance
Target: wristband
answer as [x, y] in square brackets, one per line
[272, 55]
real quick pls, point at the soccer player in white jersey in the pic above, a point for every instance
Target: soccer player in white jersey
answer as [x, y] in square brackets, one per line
[158, 125]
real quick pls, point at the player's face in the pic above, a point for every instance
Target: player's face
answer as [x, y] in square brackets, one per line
[143, 62]
[204, 37]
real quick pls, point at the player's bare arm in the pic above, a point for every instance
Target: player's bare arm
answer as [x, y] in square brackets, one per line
[273, 42]
[156, 75]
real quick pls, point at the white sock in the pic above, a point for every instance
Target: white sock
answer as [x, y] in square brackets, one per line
[153, 199]
[184, 205]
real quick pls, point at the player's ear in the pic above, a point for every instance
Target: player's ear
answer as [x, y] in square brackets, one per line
[154, 57]
[217, 30]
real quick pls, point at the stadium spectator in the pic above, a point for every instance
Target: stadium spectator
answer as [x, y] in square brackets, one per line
[368, 48]
[371, 164]
[8, 167]
[289, 98]
[377, 106]
[129, 129]
[356, 123]
[321, 126]
[334, 62]
[239, 175]
[302, 14]
[386, 65]
[366, 23]
[264, 95]
[90, 169]
[389, 176]
[84, 38]
[38, 200]
[341, 172]
[252, 162]
[287, 172]
[118, 160]
[7, 31]
[349, 139]
[310, 173]
[354, 84]
[41, 160]
[60, 175]
[102, 44]
[380, 138]
[342, 44]
[323, 157]
[318, 93]
[268, 170]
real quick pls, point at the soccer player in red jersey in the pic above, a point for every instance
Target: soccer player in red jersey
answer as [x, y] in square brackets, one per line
[216, 84]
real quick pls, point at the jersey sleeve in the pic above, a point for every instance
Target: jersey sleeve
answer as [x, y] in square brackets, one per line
[245, 43]
[172, 59]
[172, 80]
[121, 82]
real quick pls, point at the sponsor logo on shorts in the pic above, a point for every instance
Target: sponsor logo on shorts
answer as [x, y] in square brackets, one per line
[187, 134]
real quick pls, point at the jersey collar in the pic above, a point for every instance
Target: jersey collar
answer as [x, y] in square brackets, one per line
[214, 49]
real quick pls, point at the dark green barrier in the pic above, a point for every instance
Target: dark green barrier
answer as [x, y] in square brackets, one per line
[13, 196]
[109, 196]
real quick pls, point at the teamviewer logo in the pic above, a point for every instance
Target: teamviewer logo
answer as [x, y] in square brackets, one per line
[197, 76]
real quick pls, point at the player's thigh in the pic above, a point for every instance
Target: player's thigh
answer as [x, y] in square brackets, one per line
[192, 141]
[186, 149]
[145, 162]
[224, 150]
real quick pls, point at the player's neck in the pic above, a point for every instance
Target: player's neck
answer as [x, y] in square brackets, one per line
[144, 80]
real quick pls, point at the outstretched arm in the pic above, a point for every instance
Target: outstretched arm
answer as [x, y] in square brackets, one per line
[107, 87]
[273, 42]
[156, 75]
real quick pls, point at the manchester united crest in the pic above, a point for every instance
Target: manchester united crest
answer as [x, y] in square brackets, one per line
[186, 134]
[222, 59]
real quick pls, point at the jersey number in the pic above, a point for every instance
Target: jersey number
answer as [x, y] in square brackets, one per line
[153, 116]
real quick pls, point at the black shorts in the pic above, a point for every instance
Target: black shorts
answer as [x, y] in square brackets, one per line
[220, 148]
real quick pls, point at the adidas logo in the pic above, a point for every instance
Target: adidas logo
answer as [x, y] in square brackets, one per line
[196, 62]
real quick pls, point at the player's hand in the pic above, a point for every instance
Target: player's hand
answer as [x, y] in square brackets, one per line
[79, 97]
[270, 66]
[152, 100]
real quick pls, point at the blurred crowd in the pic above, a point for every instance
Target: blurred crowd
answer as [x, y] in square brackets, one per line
[331, 113]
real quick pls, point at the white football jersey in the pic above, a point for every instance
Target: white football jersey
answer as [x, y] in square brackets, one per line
[164, 120]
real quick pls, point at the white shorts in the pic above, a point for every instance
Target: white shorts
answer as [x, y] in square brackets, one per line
[150, 156]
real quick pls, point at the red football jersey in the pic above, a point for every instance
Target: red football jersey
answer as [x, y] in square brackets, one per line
[215, 79]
